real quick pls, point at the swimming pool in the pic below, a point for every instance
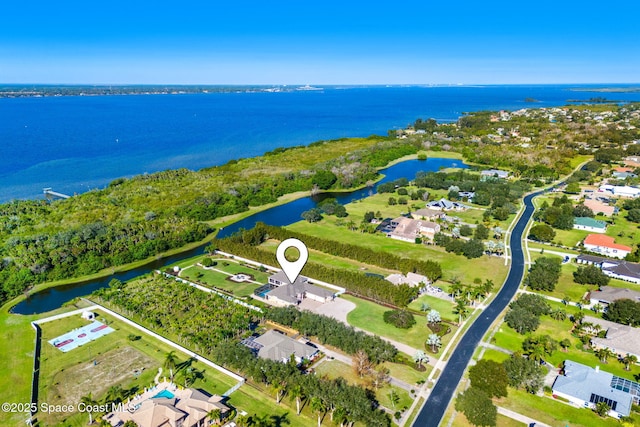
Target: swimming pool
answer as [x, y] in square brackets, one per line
[164, 394]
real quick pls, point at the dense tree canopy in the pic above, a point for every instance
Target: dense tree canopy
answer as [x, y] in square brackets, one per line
[624, 311]
[490, 377]
[476, 405]
[544, 274]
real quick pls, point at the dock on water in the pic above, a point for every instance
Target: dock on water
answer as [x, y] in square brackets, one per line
[49, 194]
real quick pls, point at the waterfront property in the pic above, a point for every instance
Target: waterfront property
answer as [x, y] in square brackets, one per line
[494, 173]
[285, 293]
[446, 205]
[408, 230]
[277, 346]
[616, 268]
[620, 339]
[166, 405]
[586, 386]
[589, 224]
[605, 245]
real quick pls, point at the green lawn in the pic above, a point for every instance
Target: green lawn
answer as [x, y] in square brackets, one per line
[444, 307]
[252, 401]
[453, 266]
[368, 316]
[335, 369]
[219, 280]
[334, 261]
[407, 373]
[553, 412]
[495, 355]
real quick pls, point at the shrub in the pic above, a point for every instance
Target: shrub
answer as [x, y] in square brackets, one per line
[399, 318]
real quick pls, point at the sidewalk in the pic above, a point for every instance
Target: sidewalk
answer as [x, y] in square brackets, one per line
[519, 417]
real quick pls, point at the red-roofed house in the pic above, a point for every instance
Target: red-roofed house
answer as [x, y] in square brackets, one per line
[605, 245]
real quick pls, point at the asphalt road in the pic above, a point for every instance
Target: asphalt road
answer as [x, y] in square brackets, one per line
[436, 405]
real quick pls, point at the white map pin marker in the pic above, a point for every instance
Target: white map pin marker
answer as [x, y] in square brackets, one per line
[292, 268]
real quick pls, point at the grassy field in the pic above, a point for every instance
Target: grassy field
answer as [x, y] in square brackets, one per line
[67, 377]
[368, 316]
[219, 277]
[335, 369]
[553, 412]
[453, 266]
[334, 261]
[444, 307]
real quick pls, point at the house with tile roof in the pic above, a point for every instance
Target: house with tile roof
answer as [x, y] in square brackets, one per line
[276, 346]
[167, 406]
[585, 386]
[589, 224]
[605, 245]
[598, 207]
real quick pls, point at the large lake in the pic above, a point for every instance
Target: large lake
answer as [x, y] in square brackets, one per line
[77, 143]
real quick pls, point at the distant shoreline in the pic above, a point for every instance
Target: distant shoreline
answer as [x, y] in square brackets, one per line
[634, 89]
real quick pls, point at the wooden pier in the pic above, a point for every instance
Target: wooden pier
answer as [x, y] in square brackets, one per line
[50, 194]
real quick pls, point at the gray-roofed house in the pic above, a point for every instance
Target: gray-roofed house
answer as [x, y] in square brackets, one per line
[279, 347]
[609, 294]
[616, 268]
[585, 386]
[286, 293]
[620, 339]
[589, 224]
[446, 205]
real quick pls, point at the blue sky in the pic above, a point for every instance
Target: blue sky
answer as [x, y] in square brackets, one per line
[328, 42]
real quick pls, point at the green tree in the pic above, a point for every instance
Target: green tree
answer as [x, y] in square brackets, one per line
[522, 320]
[312, 215]
[629, 360]
[602, 409]
[542, 233]
[590, 275]
[489, 376]
[572, 188]
[524, 373]
[481, 232]
[434, 341]
[624, 311]
[324, 179]
[544, 274]
[477, 407]
[170, 362]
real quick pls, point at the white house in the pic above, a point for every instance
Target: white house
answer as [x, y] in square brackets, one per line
[589, 224]
[585, 386]
[621, 190]
[605, 245]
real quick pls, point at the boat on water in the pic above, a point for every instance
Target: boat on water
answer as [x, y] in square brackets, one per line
[307, 87]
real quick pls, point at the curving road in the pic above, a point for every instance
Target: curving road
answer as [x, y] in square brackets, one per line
[434, 408]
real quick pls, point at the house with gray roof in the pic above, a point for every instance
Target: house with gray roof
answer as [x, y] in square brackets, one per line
[411, 279]
[620, 339]
[286, 293]
[589, 224]
[608, 294]
[616, 268]
[586, 386]
[276, 346]
[446, 205]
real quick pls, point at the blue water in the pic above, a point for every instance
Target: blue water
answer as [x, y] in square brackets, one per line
[74, 144]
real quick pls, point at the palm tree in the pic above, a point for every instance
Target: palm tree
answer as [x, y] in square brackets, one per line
[279, 387]
[170, 363]
[558, 314]
[629, 360]
[597, 308]
[537, 353]
[461, 310]
[434, 342]
[297, 392]
[603, 354]
[89, 402]
[114, 394]
[215, 415]
[420, 357]
[318, 406]
[602, 409]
